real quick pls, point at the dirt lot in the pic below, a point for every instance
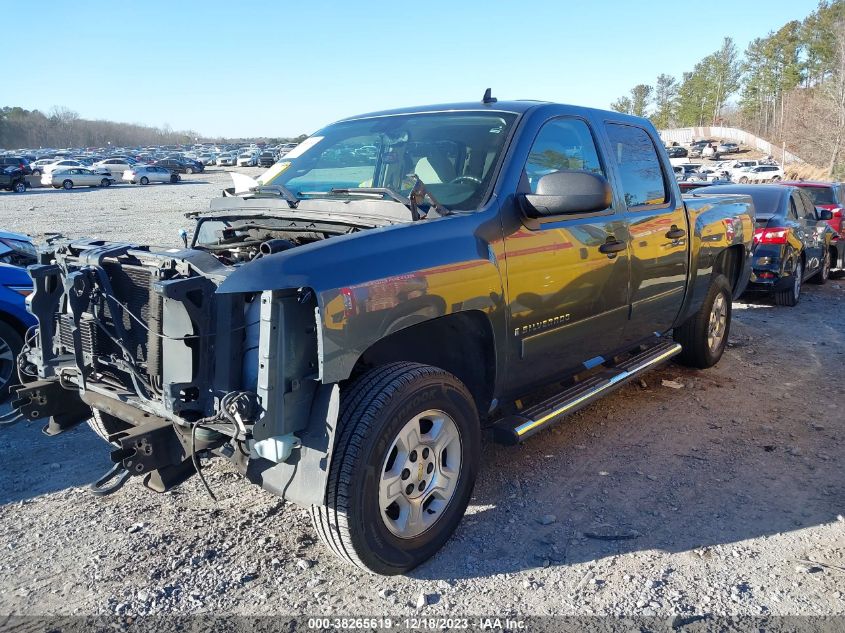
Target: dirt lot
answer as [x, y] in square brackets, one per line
[724, 496]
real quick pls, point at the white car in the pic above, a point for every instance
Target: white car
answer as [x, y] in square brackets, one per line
[116, 165]
[145, 174]
[70, 177]
[39, 165]
[760, 173]
[248, 160]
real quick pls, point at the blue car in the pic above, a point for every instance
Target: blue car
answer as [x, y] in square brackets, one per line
[16, 252]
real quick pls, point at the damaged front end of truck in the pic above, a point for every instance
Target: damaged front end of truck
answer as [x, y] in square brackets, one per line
[168, 369]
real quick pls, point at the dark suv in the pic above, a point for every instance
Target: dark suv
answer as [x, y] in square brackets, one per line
[267, 159]
[16, 161]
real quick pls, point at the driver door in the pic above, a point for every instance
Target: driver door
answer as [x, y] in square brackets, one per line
[567, 300]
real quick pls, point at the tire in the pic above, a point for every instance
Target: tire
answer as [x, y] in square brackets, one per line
[821, 277]
[36, 172]
[104, 182]
[376, 411]
[776, 179]
[792, 295]
[67, 184]
[11, 344]
[144, 180]
[104, 424]
[698, 348]
[743, 180]
[173, 179]
[189, 170]
[20, 187]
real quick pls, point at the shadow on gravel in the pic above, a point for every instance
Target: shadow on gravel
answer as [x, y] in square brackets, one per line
[745, 451]
[34, 464]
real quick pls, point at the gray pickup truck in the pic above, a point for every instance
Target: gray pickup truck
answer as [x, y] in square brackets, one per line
[346, 329]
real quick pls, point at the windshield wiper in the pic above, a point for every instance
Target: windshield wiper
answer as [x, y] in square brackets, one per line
[418, 195]
[280, 190]
[413, 201]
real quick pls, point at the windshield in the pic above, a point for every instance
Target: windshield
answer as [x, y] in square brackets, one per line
[820, 195]
[453, 153]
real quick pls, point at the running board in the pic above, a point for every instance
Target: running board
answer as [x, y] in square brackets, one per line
[515, 428]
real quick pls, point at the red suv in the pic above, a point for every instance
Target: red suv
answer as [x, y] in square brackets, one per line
[830, 196]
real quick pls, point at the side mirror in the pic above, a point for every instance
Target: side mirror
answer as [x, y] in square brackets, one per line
[825, 214]
[567, 192]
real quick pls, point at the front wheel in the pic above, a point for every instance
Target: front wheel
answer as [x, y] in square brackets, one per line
[20, 186]
[11, 344]
[743, 181]
[145, 181]
[790, 296]
[67, 184]
[104, 182]
[704, 335]
[823, 275]
[188, 170]
[404, 468]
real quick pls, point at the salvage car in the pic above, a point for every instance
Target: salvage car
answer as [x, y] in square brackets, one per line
[13, 178]
[16, 252]
[760, 173]
[68, 178]
[342, 330]
[830, 196]
[145, 174]
[792, 240]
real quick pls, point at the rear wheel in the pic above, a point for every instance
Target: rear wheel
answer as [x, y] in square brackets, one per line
[776, 179]
[104, 182]
[743, 180]
[403, 471]
[791, 296]
[822, 276]
[189, 170]
[10, 346]
[145, 180]
[174, 178]
[704, 335]
[67, 184]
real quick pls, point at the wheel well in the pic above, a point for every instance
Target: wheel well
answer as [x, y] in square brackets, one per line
[12, 322]
[729, 263]
[460, 343]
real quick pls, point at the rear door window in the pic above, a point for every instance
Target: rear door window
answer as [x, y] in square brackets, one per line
[643, 180]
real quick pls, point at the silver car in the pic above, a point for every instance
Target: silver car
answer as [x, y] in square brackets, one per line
[145, 174]
[227, 160]
[70, 177]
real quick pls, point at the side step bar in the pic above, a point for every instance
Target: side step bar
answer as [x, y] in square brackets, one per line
[514, 429]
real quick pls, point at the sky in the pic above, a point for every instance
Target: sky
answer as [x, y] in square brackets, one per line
[243, 68]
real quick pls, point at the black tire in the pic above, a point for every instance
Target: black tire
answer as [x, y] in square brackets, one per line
[792, 295]
[20, 187]
[11, 344]
[36, 172]
[743, 180]
[67, 184]
[173, 179]
[189, 170]
[693, 333]
[104, 424]
[144, 180]
[821, 277]
[104, 182]
[374, 408]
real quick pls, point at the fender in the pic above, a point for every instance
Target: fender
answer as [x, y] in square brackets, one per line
[364, 282]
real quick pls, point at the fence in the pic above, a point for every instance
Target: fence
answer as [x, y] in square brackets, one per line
[686, 135]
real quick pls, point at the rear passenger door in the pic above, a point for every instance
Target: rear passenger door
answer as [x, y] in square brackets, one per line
[657, 228]
[813, 230]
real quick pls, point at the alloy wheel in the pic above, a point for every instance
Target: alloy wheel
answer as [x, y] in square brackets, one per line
[717, 323]
[420, 474]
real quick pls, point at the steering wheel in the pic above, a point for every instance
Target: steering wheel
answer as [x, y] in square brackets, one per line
[460, 179]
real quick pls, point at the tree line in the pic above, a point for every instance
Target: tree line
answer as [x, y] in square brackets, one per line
[787, 87]
[62, 127]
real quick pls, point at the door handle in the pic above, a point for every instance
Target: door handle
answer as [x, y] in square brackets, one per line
[611, 247]
[675, 233]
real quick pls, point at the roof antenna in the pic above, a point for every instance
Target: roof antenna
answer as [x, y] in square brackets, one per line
[488, 97]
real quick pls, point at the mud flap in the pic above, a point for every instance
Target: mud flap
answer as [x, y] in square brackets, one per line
[302, 478]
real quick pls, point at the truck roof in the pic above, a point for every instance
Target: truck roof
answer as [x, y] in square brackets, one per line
[517, 107]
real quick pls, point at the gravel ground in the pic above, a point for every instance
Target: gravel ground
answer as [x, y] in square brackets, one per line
[724, 496]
